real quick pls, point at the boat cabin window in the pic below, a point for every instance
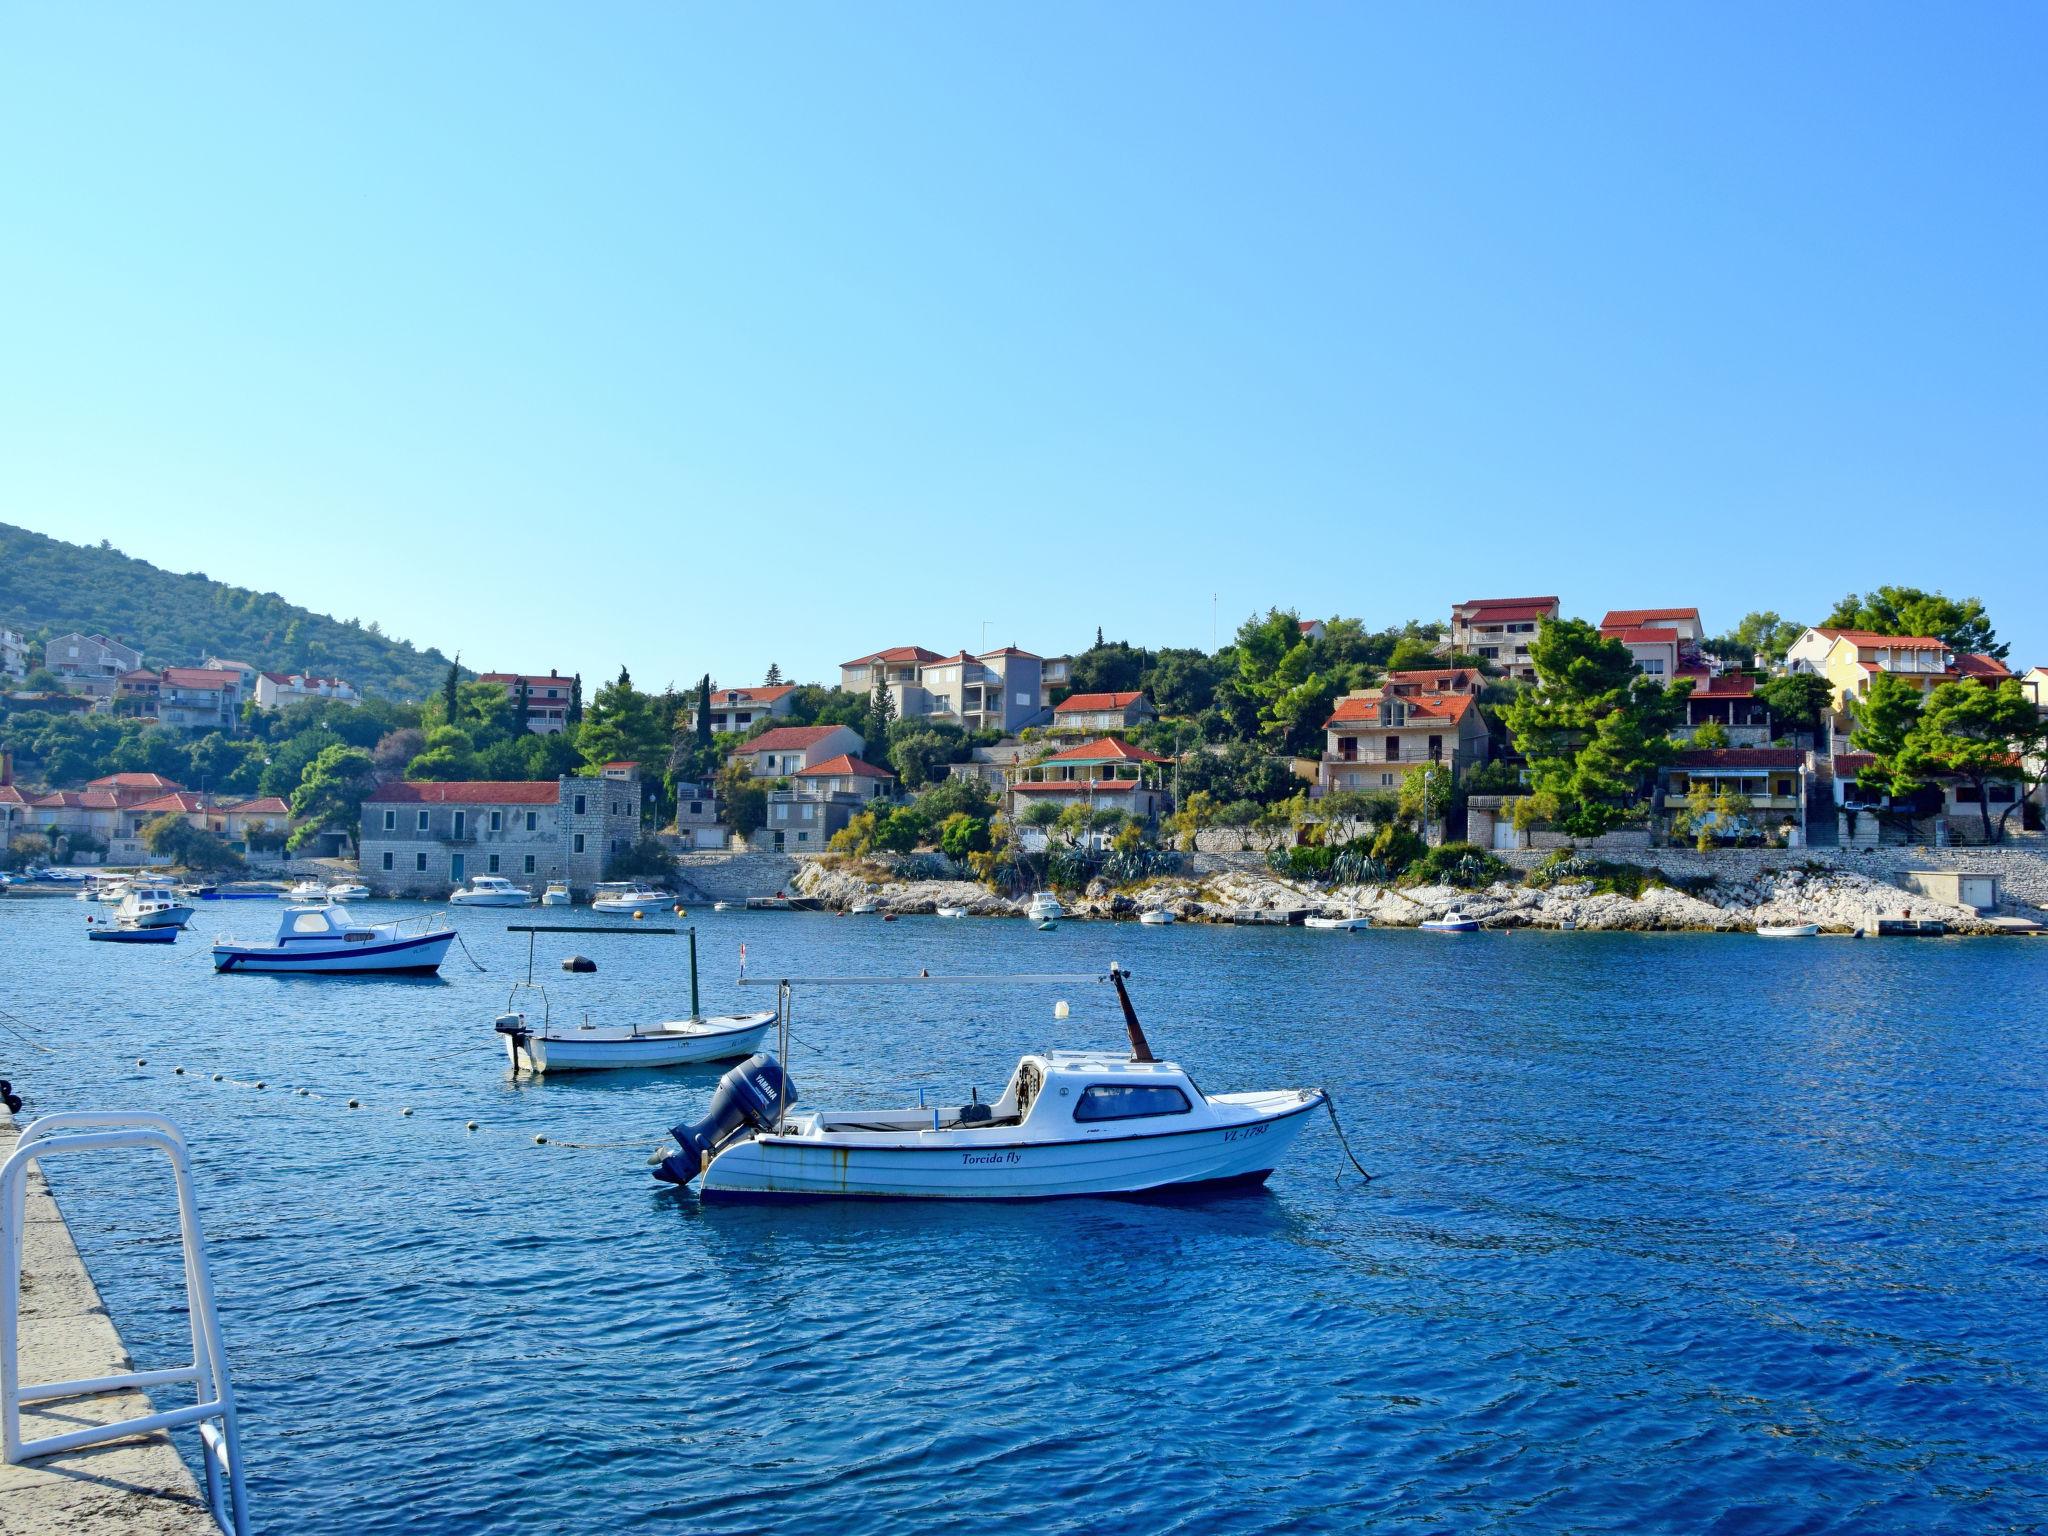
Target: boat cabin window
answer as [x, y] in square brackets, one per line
[1129, 1101]
[310, 922]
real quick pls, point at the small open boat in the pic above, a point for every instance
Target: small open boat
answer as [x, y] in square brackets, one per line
[587, 1047]
[1338, 924]
[1068, 1123]
[1787, 930]
[1156, 917]
[1450, 922]
[121, 933]
[949, 912]
[325, 940]
[491, 891]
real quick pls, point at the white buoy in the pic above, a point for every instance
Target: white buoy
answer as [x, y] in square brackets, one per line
[1060, 1010]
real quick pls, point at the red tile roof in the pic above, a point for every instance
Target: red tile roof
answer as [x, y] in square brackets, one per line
[1080, 786]
[1439, 679]
[1729, 685]
[1642, 636]
[1105, 749]
[77, 800]
[1505, 614]
[1977, 664]
[134, 781]
[1364, 709]
[765, 694]
[509, 681]
[1508, 602]
[9, 795]
[1849, 764]
[200, 677]
[788, 738]
[842, 765]
[1076, 703]
[1011, 650]
[1863, 637]
[1636, 618]
[184, 802]
[472, 792]
[895, 653]
[263, 805]
[1741, 757]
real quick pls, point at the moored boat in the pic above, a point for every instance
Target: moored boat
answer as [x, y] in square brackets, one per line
[122, 933]
[326, 940]
[867, 906]
[1338, 924]
[1157, 916]
[1450, 922]
[1044, 907]
[348, 890]
[587, 1047]
[949, 912]
[629, 896]
[491, 891]
[303, 890]
[1787, 930]
[153, 906]
[557, 894]
[1068, 1123]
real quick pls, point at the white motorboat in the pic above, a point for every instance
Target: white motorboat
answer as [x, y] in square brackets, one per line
[153, 906]
[348, 891]
[1787, 930]
[109, 892]
[557, 894]
[1450, 922]
[1338, 924]
[587, 1047]
[1068, 1123]
[1158, 916]
[326, 940]
[629, 896]
[304, 890]
[491, 891]
[1044, 907]
[950, 912]
[867, 906]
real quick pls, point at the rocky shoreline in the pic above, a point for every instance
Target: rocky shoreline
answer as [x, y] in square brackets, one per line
[1839, 901]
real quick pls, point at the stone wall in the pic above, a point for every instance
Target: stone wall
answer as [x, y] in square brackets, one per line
[724, 875]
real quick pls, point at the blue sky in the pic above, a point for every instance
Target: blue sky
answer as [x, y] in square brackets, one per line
[696, 337]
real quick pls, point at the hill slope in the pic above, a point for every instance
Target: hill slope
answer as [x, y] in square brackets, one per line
[48, 585]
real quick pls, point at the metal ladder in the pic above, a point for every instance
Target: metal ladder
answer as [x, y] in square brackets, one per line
[214, 1412]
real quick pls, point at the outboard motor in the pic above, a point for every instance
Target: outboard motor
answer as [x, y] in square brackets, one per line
[514, 1028]
[745, 1096]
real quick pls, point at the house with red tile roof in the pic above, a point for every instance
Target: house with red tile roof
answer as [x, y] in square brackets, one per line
[820, 800]
[1376, 737]
[1764, 788]
[547, 697]
[1002, 690]
[1729, 700]
[789, 749]
[426, 838]
[1854, 658]
[274, 690]
[741, 709]
[1097, 714]
[1105, 774]
[1500, 630]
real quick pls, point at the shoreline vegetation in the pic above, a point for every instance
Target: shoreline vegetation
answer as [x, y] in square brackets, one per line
[1623, 898]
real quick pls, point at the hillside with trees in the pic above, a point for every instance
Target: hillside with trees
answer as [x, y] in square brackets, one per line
[48, 587]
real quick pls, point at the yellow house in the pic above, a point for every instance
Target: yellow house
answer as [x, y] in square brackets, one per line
[1856, 656]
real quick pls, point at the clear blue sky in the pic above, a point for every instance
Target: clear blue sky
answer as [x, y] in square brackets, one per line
[699, 336]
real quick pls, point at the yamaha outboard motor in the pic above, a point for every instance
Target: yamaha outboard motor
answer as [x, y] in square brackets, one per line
[745, 1096]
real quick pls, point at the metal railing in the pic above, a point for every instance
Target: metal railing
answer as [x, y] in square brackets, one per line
[99, 1130]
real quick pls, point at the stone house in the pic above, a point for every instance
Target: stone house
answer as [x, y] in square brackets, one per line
[422, 838]
[697, 822]
[820, 801]
[90, 663]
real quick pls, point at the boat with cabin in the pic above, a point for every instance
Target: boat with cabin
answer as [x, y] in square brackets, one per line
[629, 896]
[557, 894]
[348, 890]
[491, 891]
[304, 890]
[1068, 1123]
[1450, 922]
[1044, 907]
[1158, 917]
[152, 906]
[325, 940]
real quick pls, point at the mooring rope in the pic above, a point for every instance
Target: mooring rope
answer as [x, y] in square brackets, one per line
[1330, 1104]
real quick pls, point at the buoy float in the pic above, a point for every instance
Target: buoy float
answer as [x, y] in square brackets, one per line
[216, 1077]
[259, 1082]
[355, 1103]
[141, 1062]
[540, 1141]
[639, 917]
[177, 1071]
[407, 1110]
[471, 1126]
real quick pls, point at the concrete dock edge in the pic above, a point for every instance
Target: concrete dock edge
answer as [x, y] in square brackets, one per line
[138, 1485]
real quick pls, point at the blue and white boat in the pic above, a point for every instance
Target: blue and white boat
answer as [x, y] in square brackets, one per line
[1450, 922]
[325, 941]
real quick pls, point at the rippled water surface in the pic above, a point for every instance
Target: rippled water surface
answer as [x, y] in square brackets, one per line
[1670, 1233]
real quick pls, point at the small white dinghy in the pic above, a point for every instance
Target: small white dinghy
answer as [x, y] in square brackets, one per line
[587, 1047]
[491, 891]
[1157, 917]
[326, 941]
[1787, 930]
[1068, 1123]
[950, 912]
[1338, 924]
[1450, 922]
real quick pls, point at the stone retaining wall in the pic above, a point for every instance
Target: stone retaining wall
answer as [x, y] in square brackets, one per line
[725, 875]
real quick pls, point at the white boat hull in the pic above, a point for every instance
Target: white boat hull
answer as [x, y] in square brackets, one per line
[556, 899]
[165, 917]
[991, 1165]
[1339, 924]
[419, 953]
[618, 1050]
[1787, 930]
[490, 899]
[619, 904]
[1158, 917]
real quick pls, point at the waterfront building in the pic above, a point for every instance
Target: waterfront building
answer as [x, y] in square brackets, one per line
[1096, 714]
[422, 838]
[244, 823]
[1376, 737]
[1105, 774]
[740, 709]
[1770, 782]
[820, 800]
[1501, 630]
[789, 749]
[547, 698]
[90, 663]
